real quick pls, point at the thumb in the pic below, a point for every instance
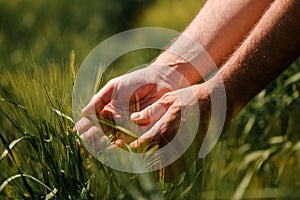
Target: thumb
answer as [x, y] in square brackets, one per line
[102, 98]
[149, 115]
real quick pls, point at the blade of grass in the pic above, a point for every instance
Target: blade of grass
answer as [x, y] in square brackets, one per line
[52, 194]
[63, 115]
[116, 127]
[27, 186]
[12, 145]
[242, 187]
[186, 192]
[8, 180]
[292, 79]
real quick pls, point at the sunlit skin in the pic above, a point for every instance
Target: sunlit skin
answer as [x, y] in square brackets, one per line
[261, 39]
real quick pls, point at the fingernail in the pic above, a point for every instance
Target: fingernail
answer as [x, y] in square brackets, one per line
[135, 115]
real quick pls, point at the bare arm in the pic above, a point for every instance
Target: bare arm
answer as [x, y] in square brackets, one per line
[219, 27]
[270, 48]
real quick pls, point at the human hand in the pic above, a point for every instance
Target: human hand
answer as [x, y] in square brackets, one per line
[126, 94]
[168, 113]
[181, 119]
[164, 108]
[174, 110]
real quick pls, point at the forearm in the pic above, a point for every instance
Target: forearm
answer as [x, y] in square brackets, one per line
[270, 48]
[219, 27]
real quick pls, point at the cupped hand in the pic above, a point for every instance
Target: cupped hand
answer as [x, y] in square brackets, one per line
[179, 119]
[147, 99]
[124, 95]
[166, 115]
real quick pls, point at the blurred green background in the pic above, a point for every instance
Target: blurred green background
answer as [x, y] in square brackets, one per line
[256, 157]
[42, 30]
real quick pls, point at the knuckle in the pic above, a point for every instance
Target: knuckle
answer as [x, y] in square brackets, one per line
[167, 99]
[148, 111]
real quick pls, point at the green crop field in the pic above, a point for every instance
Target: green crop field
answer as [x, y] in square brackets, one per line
[257, 156]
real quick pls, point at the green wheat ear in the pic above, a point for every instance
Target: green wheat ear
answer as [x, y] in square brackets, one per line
[106, 122]
[101, 120]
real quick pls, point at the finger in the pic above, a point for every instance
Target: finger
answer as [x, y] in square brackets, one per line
[119, 143]
[140, 145]
[83, 125]
[124, 137]
[149, 115]
[119, 140]
[148, 139]
[102, 98]
[93, 138]
[91, 135]
[110, 112]
[161, 133]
